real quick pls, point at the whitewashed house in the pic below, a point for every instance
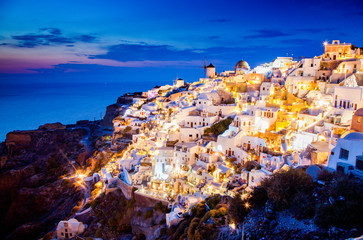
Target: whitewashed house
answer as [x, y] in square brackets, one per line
[346, 156]
[69, 229]
[264, 118]
[163, 162]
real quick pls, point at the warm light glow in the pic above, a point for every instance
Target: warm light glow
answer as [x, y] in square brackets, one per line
[232, 225]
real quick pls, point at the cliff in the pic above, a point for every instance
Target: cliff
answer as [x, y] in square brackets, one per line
[113, 217]
[33, 195]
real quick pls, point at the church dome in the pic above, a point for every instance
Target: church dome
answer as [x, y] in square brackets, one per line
[242, 64]
[359, 112]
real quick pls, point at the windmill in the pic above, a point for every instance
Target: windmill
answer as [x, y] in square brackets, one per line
[205, 66]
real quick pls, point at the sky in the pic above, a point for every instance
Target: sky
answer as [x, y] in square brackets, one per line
[116, 40]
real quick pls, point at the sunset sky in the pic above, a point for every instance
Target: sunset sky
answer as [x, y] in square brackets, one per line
[88, 40]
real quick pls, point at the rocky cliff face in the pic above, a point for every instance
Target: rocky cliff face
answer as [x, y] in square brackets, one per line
[113, 216]
[112, 111]
[33, 195]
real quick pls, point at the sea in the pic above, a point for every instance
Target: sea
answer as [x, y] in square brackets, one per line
[27, 106]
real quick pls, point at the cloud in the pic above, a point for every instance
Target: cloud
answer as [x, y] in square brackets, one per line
[220, 20]
[314, 30]
[141, 52]
[31, 40]
[267, 33]
[55, 31]
[86, 38]
[50, 36]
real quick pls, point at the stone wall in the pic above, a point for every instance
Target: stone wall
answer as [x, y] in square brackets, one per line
[126, 189]
[148, 201]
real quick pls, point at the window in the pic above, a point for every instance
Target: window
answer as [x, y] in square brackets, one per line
[358, 119]
[359, 164]
[344, 154]
[331, 153]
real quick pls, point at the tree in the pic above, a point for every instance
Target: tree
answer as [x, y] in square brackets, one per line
[238, 209]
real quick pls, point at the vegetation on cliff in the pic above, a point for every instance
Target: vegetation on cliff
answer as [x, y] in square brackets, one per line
[219, 127]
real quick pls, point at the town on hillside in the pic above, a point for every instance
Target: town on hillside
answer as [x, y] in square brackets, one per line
[228, 131]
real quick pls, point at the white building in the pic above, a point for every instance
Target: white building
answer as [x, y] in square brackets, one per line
[345, 155]
[163, 163]
[253, 143]
[245, 123]
[210, 71]
[255, 177]
[179, 83]
[348, 97]
[185, 154]
[69, 229]
[197, 119]
[264, 118]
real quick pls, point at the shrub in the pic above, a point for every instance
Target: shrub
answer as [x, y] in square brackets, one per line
[199, 210]
[213, 201]
[258, 196]
[205, 218]
[282, 187]
[219, 127]
[192, 226]
[237, 210]
[325, 175]
[180, 230]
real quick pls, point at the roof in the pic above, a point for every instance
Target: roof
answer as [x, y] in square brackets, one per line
[165, 148]
[73, 224]
[242, 64]
[359, 112]
[354, 136]
[210, 66]
[337, 76]
[359, 79]
[223, 168]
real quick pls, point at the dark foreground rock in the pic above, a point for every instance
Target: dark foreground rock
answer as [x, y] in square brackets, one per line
[33, 194]
[115, 217]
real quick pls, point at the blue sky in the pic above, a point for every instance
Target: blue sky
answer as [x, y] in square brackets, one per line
[118, 40]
